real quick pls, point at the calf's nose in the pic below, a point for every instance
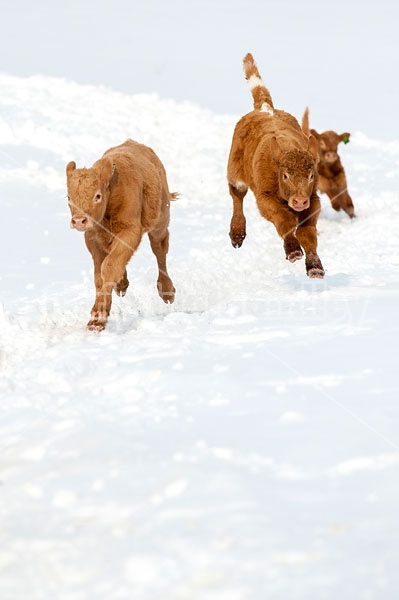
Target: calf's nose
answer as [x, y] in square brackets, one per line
[79, 223]
[300, 202]
[330, 156]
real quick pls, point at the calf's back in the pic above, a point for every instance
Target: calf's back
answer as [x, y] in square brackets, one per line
[250, 154]
[140, 188]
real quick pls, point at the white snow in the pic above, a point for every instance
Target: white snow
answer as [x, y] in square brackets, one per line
[241, 444]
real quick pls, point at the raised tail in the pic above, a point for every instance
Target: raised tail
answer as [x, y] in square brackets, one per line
[261, 95]
[305, 122]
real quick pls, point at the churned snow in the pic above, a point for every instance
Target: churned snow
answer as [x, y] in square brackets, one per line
[241, 444]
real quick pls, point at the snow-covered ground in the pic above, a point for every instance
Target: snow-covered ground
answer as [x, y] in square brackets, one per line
[241, 444]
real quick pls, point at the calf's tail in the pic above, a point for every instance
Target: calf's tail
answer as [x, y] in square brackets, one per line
[261, 95]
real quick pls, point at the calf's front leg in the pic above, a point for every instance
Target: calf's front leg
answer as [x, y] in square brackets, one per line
[307, 236]
[113, 274]
[98, 255]
[347, 204]
[285, 223]
[337, 190]
[340, 198]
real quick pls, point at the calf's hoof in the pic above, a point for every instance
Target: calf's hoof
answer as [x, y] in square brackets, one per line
[350, 211]
[122, 286]
[237, 238]
[295, 255]
[316, 273]
[314, 268]
[93, 325]
[166, 290]
[97, 322]
[293, 250]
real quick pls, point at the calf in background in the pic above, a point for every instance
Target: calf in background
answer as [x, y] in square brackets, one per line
[122, 196]
[332, 179]
[271, 155]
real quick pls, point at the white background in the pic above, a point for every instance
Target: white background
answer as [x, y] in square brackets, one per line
[341, 58]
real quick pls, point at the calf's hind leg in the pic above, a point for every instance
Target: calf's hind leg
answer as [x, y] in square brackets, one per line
[159, 241]
[238, 223]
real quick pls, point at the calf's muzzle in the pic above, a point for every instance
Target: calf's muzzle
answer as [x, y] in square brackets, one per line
[299, 202]
[330, 157]
[80, 223]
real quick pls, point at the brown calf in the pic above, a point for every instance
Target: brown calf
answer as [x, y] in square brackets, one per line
[122, 196]
[271, 155]
[332, 179]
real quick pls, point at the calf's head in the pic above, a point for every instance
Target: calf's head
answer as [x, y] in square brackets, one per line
[297, 173]
[88, 193]
[328, 144]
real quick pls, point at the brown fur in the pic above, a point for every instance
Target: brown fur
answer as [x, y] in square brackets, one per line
[332, 178]
[122, 196]
[271, 156]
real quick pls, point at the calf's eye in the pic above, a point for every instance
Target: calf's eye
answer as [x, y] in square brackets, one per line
[285, 176]
[97, 197]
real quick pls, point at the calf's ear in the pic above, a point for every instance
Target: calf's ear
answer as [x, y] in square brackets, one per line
[275, 149]
[305, 122]
[107, 170]
[344, 137]
[315, 134]
[71, 166]
[313, 148]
